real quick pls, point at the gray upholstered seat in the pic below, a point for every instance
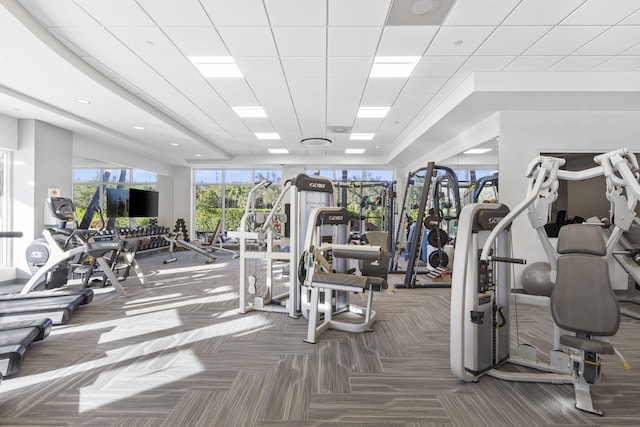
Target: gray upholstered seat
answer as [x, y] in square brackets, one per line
[583, 302]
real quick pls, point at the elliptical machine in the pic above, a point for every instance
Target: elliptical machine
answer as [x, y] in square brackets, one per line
[54, 241]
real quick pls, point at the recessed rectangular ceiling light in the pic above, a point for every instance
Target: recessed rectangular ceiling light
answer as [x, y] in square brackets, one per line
[216, 66]
[267, 135]
[477, 151]
[369, 112]
[393, 66]
[250, 111]
[278, 150]
[354, 151]
[361, 136]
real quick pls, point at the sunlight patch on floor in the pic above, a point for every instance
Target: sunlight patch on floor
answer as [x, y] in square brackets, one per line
[138, 377]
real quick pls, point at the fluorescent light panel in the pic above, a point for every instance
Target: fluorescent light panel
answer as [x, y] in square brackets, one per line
[372, 112]
[361, 136]
[267, 135]
[250, 111]
[216, 66]
[393, 66]
[477, 151]
[354, 151]
[278, 150]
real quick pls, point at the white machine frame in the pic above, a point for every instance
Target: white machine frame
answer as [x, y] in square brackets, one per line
[620, 169]
[259, 241]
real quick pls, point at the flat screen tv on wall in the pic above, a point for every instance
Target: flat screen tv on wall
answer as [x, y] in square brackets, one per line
[117, 203]
[143, 203]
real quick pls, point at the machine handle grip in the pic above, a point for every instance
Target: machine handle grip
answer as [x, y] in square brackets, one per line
[509, 260]
[7, 234]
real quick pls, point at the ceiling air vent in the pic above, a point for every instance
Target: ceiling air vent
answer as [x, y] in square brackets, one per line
[419, 12]
[316, 142]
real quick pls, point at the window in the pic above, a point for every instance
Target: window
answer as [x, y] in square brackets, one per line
[222, 194]
[89, 188]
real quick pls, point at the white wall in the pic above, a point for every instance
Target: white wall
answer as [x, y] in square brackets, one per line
[182, 199]
[525, 134]
[43, 160]
[8, 133]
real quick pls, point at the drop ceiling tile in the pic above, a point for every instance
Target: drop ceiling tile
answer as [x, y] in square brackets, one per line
[297, 13]
[438, 66]
[299, 86]
[170, 13]
[533, 63]
[600, 12]
[479, 12]
[612, 42]
[249, 41]
[423, 85]
[344, 67]
[259, 125]
[353, 41]
[346, 86]
[405, 40]
[633, 19]
[197, 41]
[301, 41]
[95, 41]
[484, 63]
[564, 40]
[145, 41]
[304, 67]
[620, 63]
[172, 67]
[367, 124]
[457, 41]
[579, 63]
[231, 86]
[350, 13]
[236, 13]
[128, 66]
[61, 13]
[160, 90]
[387, 86]
[309, 104]
[268, 86]
[541, 12]
[508, 40]
[378, 99]
[199, 91]
[342, 109]
[262, 67]
[634, 51]
[116, 13]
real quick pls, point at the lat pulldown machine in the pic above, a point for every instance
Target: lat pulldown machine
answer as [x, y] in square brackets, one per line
[582, 302]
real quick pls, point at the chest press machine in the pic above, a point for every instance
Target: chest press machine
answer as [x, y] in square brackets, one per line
[583, 304]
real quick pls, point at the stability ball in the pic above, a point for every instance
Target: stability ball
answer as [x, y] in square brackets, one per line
[536, 279]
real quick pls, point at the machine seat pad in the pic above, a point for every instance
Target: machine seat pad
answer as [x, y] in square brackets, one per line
[341, 279]
[593, 346]
[378, 283]
[356, 254]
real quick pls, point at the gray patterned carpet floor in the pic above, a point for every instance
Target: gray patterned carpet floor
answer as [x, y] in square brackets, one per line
[177, 353]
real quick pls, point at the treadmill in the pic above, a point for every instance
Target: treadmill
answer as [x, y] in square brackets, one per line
[56, 305]
[15, 340]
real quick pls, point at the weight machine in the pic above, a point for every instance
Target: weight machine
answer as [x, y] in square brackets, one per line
[436, 179]
[377, 201]
[259, 239]
[584, 306]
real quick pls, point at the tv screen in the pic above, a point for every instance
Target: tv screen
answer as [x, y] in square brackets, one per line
[117, 202]
[143, 203]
